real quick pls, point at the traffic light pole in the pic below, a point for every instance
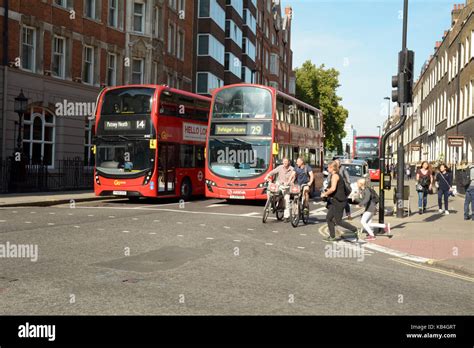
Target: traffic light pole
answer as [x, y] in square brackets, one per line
[403, 96]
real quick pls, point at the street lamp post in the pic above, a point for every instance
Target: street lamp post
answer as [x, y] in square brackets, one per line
[20, 107]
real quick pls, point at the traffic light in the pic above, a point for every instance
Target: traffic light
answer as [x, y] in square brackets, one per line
[403, 82]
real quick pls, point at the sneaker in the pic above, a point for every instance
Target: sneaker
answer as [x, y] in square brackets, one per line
[468, 218]
[420, 211]
[349, 217]
[369, 238]
[330, 239]
[286, 220]
[440, 211]
[446, 212]
[387, 228]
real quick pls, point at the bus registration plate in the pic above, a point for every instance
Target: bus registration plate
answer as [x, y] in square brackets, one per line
[237, 197]
[120, 193]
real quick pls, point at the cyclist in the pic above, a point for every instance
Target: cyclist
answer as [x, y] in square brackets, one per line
[304, 176]
[284, 174]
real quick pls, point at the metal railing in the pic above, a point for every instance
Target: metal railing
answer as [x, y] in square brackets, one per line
[24, 176]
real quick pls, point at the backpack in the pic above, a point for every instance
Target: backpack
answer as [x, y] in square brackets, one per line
[374, 196]
[467, 177]
[347, 184]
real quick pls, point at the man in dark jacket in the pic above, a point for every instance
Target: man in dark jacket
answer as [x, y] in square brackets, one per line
[469, 195]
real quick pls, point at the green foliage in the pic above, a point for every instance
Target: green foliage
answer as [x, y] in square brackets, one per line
[318, 86]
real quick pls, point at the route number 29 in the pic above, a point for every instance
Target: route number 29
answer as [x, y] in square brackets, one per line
[256, 130]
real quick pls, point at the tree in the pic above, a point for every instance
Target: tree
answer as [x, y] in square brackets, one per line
[318, 86]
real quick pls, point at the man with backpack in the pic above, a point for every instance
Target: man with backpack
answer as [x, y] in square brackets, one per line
[369, 201]
[468, 183]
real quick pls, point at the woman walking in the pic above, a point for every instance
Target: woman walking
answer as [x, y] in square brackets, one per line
[445, 181]
[337, 199]
[424, 179]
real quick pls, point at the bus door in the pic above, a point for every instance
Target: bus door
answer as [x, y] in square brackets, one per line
[166, 168]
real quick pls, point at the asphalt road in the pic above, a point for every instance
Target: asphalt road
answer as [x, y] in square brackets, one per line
[205, 257]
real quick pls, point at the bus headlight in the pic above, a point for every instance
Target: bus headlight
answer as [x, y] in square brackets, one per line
[263, 184]
[97, 180]
[210, 184]
[147, 178]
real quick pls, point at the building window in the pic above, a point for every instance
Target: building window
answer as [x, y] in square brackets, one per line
[181, 5]
[247, 75]
[158, 22]
[211, 9]
[113, 13]
[39, 136]
[111, 69]
[472, 44]
[92, 9]
[171, 38]
[64, 3]
[208, 45]
[88, 136]
[172, 4]
[137, 71]
[233, 32]
[28, 48]
[88, 65]
[233, 64]
[155, 72]
[206, 82]
[238, 6]
[250, 21]
[180, 48]
[248, 48]
[138, 17]
[59, 57]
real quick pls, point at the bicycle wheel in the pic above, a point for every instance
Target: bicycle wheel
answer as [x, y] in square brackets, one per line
[295, 213]
[304, 213]
[266, 210]
[278, 210]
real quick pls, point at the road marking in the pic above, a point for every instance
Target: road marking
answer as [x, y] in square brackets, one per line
[3, 220]
[237, 240]
[50, 223]
[210, 238]
[268, 243]
[300, 247]
[70, 214]
[436, 270]
[217, 205]
[319, 211]
[303, 234]
[111, 216]
[250, 229]
[180, 235]
[126, 231]
[179, 223]
[162, 205]
[77, 226]
[202, 225]
[152, 233]
[90, 215]
[251, 214]
[156, 220]
[275, 231]
[52, 213]
[32, 212]
[28, 222]
[227, 227]
[400, 254]
[135, 219]
[101, 229]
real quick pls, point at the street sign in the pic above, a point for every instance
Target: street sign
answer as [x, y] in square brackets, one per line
[456, 141]
[415, 147]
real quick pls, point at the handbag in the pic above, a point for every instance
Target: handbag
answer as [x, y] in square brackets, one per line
[419, 187]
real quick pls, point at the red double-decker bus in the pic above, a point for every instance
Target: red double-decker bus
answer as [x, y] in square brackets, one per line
[150, 142]
[367, 148]
[251, 129]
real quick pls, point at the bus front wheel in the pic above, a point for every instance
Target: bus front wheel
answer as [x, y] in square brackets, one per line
[186, 189]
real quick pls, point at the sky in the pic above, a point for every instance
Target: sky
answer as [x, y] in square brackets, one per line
[361, 39]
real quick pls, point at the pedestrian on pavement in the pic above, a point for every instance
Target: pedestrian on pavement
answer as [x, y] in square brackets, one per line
[408, 173]
[424, 179]
[337, 199]
[304, 176]
[369, 201]
[344, 174]
[469, 185]
[444, 179]
[284, 174]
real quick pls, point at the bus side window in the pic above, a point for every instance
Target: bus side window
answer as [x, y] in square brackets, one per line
[199, 156]
[280, 109]
[168, 105]
[202, 110]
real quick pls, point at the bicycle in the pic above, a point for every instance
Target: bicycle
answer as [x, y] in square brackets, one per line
[298, 204]
[275, 203]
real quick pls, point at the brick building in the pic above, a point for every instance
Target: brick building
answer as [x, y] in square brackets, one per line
[243, 41]
[443, 98]
[62, 52]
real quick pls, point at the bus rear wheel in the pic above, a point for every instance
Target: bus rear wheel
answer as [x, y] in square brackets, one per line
[186, 189]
